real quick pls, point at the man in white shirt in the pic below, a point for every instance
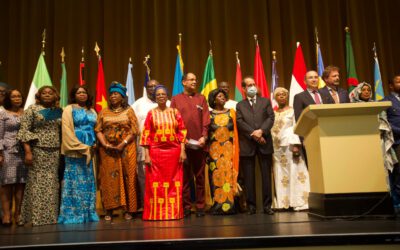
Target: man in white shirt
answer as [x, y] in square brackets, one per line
[230, 104]
[141, 107]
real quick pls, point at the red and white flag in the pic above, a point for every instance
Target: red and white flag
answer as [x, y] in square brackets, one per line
[259, 74]
[297, 84]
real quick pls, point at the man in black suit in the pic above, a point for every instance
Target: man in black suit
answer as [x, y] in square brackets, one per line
[332, 90]
[309, 96]
[255, 117]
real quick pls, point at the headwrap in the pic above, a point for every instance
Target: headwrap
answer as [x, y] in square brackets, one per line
[213, 95]
[117, 87]
[157, 87]
[356, 93]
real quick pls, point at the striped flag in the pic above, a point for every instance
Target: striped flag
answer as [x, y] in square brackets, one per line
[130, 90]
[209, 82]
[320, 67]
[274, 81]
[238, 82]
[178, 87]
[40, 79]
[352, 79]
[297, 84]
[101, 93]
[379, 93]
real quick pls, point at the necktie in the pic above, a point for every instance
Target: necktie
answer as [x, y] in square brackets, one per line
[334, 95]
[252, 103]
[316, 97]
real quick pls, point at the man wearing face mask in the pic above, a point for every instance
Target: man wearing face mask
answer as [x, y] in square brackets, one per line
[332, 90]
[255, 118]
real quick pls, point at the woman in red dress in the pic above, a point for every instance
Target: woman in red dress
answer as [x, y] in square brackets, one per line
[163, 137]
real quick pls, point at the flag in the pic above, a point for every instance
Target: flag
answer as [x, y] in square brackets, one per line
[147, 78]
[40, 79]
[63, 87]
[209, 82]
[379, 94]
[238, 83]
[101, 93]
[178, 87]
[352, 79]
[129, 85]
[297, 84]
[82, 73]
[274, 83]
[320, 67]
[259, 75]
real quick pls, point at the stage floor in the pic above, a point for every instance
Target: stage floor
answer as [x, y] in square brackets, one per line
[284, 229]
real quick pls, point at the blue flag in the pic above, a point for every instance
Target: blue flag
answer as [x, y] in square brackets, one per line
[177, 87]
[320, 67]
[129, 85]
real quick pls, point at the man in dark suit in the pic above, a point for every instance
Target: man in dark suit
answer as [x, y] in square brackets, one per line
[255, 117]
[332, 90]
[393, 116]
[309, 96]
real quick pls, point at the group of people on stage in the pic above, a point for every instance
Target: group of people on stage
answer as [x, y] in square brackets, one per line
[166, 156]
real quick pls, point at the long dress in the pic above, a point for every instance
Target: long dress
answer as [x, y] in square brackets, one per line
[41, 127]
[223, 161]
[13, 169]
[163, 133]
[117, 170]
[292, 183]
[78, 196]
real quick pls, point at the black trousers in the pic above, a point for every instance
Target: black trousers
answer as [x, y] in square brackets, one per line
[248, 166]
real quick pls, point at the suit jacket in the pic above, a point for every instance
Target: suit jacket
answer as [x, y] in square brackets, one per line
[393, 116]
[248, 119]
[301, 101]
[343, 95]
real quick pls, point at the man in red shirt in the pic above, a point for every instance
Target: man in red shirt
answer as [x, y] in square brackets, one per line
[196, 116]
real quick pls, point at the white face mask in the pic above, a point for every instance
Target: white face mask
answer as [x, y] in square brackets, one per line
[251, 91]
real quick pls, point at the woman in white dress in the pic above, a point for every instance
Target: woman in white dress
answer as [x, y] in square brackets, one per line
[292, 183]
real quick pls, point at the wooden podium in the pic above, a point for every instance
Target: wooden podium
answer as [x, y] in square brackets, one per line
[345, 161]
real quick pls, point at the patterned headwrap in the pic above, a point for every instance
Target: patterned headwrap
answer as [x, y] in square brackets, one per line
[356, 92]
[117, 87]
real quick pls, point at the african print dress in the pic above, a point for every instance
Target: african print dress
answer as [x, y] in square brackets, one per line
[78, 196]
[292, 183]
[163, 133]
[41, 128]
[223, 161]
[117, 170]
[13, 170]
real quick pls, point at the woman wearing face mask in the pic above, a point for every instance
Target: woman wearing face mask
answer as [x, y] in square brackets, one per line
[292, 183]
[40, 133]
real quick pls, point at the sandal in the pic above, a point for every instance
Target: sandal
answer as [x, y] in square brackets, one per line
[128, 216]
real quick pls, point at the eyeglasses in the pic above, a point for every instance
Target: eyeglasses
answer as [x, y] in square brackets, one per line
[81, 92]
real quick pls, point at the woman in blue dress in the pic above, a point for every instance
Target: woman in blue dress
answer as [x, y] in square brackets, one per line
[78, 197]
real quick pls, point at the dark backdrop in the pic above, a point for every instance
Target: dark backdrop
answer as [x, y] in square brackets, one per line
[135, 28]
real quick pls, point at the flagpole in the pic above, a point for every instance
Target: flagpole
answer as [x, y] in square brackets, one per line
[237, 57]
[146, 64]
[210, 51]
[180, 42]
[83, 54]
[374, 50]
[62, 54]
[43, 41]
[97, 49]
[255, 39]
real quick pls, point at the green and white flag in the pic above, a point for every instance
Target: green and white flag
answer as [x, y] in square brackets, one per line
[40, 79]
